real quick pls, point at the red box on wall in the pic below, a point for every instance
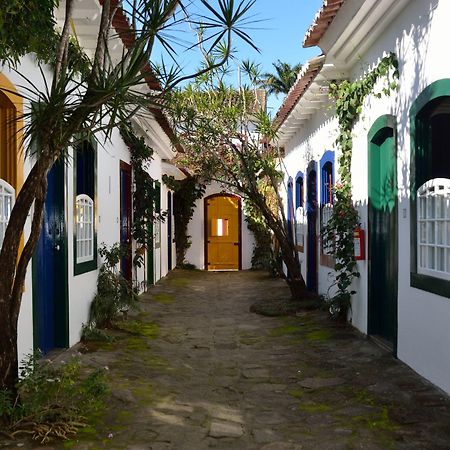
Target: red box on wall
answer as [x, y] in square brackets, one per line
[359, 244]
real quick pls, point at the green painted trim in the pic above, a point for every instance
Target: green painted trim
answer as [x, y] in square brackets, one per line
[431, 284]
[383, 122]
[158, 211]
[87, 266]
[62, 309]
[34, 284]
[439, 88]
[62, 333]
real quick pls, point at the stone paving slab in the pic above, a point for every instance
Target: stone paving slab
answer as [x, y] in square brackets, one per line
[217, 376]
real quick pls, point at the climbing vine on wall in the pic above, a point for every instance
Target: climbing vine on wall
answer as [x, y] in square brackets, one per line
[144, 190]
[338, 233]
[186, 193]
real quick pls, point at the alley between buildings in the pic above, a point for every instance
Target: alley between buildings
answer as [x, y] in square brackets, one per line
[197, 370]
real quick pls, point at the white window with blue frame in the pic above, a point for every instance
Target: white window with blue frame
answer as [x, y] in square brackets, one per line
[300, 217]
[290, 208]
[326, 202]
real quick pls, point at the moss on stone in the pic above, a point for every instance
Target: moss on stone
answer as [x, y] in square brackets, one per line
[143, 393]
[284, 330]
[180, 282]
[136, 344]
[319, 335]
[164, 298]
[296, 393]
[315, 407]
[146, 329]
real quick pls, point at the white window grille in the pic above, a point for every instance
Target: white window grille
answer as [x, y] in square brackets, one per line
[300, 226]
[7, 197]
[84, 228]
[327, 212]
[433, 228]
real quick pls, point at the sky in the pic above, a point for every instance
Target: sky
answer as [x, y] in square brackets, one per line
[281, 35]
[278, 31]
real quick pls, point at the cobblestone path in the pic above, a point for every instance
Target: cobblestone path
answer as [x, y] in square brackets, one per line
[200, 371]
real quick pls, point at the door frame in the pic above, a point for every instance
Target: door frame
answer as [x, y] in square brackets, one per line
[169, 230]
[205, 226]
[385, 121]
[125, 167]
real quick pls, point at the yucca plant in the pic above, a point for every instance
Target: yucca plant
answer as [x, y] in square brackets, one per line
[84, 99]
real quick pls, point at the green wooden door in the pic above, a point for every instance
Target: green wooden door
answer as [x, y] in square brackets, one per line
[150, 252]
[383, 266]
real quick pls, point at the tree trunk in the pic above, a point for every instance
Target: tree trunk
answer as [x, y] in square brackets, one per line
[13, 272]
[9, 366]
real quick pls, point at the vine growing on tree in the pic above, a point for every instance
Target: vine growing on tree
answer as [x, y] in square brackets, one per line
[144, 190]
[338, 233]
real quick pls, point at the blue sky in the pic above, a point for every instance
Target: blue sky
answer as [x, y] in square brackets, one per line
[281, 35]
[278, 33]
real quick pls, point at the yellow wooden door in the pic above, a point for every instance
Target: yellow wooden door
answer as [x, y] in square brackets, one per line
[223, 233]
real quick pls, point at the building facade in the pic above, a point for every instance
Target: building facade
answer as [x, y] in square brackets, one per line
[400, 171]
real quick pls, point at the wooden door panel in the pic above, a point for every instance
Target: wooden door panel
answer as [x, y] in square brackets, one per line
[50, 308]
[383, 268]
[126, 219]
[223, 234]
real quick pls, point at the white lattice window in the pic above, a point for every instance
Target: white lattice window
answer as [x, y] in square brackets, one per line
[84, 228]
[300, 226]
[433, 228]
[7, 197]
[327, 212]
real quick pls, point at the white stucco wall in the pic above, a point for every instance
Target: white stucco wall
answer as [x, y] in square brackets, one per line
[419, 37]
[309, 144]
[82, 288]
[28, 67]
[196, 253]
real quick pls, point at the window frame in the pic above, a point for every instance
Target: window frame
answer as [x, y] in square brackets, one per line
[11, 192]
[86, 203]
[419, 142]
[290, 213]
[425, 219]
[91, 264]
[326, 203]
[299, 212]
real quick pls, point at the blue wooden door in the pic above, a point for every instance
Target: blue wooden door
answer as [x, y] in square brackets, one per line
[50, 304]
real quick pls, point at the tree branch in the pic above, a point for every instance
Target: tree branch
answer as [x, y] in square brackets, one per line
[61, 53]
[28, 250]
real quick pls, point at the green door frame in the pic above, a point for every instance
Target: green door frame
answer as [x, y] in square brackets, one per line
[384, 122]
[419, 136]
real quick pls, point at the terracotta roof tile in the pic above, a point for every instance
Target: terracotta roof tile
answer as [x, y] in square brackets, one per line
[322, 21]
[126, 34]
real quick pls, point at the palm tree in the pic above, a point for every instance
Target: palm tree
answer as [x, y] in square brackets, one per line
[282, 80]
